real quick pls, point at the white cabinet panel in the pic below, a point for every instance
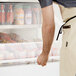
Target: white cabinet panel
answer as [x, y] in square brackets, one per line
[52, 69]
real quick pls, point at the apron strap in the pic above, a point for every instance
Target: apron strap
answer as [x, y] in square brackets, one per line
[64, 27]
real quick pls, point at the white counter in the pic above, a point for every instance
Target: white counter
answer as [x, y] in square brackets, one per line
[52, 69]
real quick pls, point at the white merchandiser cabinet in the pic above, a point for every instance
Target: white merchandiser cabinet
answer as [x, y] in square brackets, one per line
[20, 32]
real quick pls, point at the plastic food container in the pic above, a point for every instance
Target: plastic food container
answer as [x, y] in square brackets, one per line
[18, 15]
[28, 14]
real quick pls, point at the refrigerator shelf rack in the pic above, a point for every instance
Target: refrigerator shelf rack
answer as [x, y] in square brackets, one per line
[26, 61]
[20, 26]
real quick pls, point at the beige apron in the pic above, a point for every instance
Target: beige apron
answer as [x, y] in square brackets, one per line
[68, 50]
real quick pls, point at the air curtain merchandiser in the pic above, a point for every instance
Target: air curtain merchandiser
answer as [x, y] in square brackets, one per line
[20, 32]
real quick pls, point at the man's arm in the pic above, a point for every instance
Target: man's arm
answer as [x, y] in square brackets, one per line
[48, 28]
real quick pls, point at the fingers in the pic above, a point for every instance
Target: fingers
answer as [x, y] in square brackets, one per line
[38, 62]
[42, 59]
[41, 63]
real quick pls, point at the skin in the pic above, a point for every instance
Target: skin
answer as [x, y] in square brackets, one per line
[48, 29]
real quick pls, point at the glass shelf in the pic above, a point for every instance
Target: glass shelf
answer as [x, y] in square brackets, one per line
[18, 0]
[20, 26]
[26, 61]
[24, 50]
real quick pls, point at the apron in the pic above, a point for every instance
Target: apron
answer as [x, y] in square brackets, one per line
[68, 49]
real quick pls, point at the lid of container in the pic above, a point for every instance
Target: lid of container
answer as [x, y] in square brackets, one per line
[18, 6]
[27, 7]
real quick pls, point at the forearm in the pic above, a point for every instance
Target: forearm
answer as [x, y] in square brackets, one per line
[48, 35]
[48, 28]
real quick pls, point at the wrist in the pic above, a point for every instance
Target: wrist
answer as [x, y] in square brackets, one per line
[45, 53]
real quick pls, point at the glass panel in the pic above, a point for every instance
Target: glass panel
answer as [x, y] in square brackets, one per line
[20, 51]
[18, 38]
[20, 13]
[24, 50]
[17, 18]
[20, 35]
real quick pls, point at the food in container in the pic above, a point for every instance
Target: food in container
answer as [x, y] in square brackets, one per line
[28, 14]
[19, 15]
[2, 15]
[16, 37]
[5, 38]
[10, 38]
[10, 15]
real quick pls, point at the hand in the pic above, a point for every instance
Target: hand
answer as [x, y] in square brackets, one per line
[42, 59]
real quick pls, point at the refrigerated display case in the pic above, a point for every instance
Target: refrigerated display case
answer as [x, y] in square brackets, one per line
[20, 32]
